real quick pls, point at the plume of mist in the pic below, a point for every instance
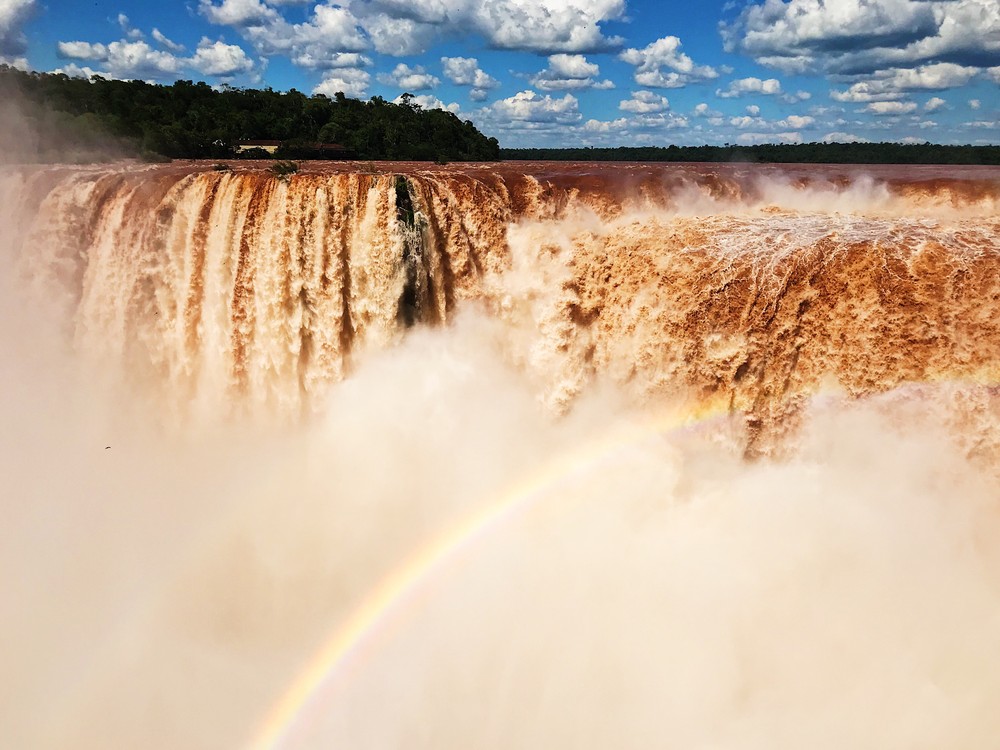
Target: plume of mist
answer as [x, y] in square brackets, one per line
[20, 135]
[34, 132]
[855, 191]
[162, 590]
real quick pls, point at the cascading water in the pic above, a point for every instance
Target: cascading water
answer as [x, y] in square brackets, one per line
[247, 289]
[448, 457]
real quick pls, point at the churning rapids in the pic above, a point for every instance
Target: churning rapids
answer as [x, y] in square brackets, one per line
[500, 456]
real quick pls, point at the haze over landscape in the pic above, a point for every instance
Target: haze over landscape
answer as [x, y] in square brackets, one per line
[567, 72]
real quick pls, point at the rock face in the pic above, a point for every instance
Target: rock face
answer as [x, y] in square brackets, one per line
[729, 287]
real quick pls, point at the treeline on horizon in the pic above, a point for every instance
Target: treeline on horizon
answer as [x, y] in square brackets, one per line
[63, 118]
[800, 153]
[54, 117]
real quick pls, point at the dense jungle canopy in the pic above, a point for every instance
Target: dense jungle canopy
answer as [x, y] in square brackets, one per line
[61, 118]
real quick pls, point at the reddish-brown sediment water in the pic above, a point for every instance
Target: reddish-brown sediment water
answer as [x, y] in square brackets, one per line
[518, 455]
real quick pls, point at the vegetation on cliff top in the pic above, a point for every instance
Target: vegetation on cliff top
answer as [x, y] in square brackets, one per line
[60, 118]
[63, 117]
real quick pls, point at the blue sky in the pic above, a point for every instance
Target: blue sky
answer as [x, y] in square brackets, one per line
[567, 72]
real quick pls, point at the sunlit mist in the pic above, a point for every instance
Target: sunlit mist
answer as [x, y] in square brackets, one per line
[512, 456]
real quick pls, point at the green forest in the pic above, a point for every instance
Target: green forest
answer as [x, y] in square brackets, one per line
[62, 118]
[801, 153]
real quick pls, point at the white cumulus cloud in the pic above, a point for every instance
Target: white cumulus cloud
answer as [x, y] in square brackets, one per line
[405, 27]
[349, 81]
[890, 108]
[79, 71]
[745, 121]
[428, 101]
[659, 121]
[937, 76]
[318, 43]
[163, 41]
[126, 59]
[397, 36]
[465, 71]
[546, 26]
[530, 106]
[128, 29]
[572, 66]
[893, 82]
[220, 59]
[841, 137]
[13, 14]
[409, 79]
[865, 91]
[606, 126]
[644, 102]
[754, 138]
[661, 64]
[759, 124]
[569, 73]
[744, 86]
[238, 12]
[796, 122]
[82, 51]
[934, 104]
[862, 36]
[798, 96]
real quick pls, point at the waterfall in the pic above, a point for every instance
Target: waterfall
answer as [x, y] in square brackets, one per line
[243, 292]
[499, 456]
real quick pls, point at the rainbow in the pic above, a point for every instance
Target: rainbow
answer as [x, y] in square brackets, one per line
[402, 584]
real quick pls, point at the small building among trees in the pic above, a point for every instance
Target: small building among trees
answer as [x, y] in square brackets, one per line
[269, 146]
[292, 149]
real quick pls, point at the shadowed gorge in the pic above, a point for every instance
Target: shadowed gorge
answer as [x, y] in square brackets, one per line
[500, 456]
